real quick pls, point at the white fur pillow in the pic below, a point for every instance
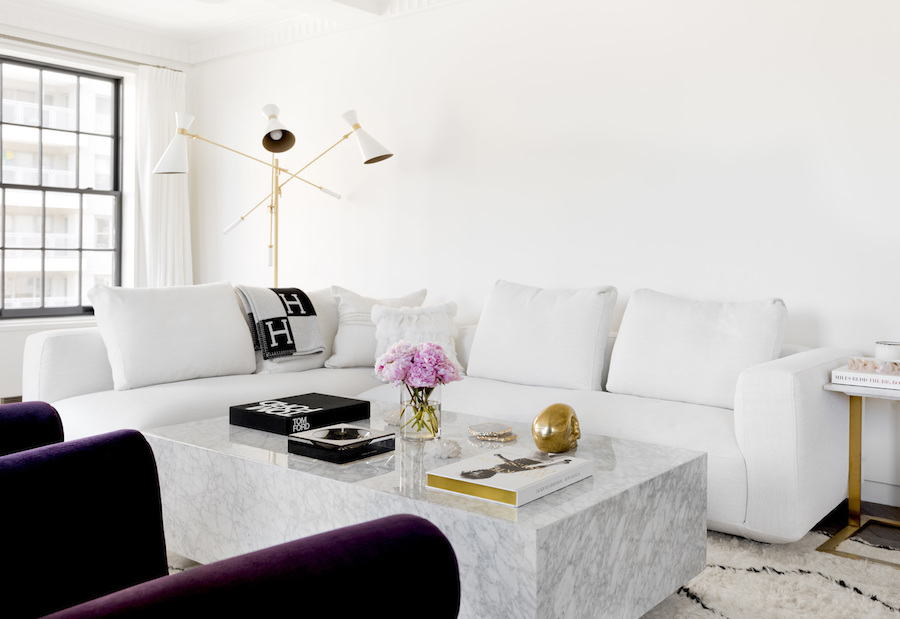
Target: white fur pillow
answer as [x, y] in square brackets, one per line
[163, 335]
[543, 337]
[433, 323]
[671, 348]
[354, 344]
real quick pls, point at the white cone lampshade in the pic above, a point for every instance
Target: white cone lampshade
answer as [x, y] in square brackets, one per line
[277, 138]
[371, 150]
[175, 158]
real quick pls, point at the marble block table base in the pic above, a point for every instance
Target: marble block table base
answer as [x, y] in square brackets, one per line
[613, 545]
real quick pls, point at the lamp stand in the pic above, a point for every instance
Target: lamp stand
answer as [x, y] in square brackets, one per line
[276, 193]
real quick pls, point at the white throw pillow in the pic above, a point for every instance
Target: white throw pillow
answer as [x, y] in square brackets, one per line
[354, 344]
[163, 335]
[433, 323]
[543, 337]
[692, 351]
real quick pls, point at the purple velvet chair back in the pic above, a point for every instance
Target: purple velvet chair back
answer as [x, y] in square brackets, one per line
[79, 520]
[26, 425]
[400, 567]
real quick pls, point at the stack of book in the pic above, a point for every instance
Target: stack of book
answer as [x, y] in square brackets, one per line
[868, 372]
[514, 476]
[298, 413]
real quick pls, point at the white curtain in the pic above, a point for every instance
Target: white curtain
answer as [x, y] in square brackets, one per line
[163, 217]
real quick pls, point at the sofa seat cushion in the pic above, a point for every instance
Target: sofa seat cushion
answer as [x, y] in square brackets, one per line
[180, 402]
[675, 424]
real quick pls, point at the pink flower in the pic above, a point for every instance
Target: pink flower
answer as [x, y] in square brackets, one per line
[422, 366]
[394, 364]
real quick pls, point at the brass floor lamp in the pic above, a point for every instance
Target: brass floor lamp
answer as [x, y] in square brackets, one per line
[276, 139]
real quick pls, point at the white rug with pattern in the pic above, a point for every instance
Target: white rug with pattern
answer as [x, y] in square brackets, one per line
[750, 580]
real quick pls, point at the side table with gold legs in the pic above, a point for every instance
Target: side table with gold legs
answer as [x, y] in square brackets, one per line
[857, 521]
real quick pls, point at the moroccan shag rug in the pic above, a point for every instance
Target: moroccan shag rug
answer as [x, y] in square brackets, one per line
[751, 580]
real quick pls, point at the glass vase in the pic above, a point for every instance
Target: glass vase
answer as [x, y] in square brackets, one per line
[420, 415]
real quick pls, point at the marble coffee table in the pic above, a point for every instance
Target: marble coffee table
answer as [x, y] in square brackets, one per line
[613, 545]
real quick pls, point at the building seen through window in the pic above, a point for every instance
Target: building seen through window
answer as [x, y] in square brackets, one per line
[60, 194]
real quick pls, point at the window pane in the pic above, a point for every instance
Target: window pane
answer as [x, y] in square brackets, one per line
[99, 269]
[22, 278]
[58, 157]
[96, 106]
[20, 95]
[59, 143]
[99, 222]
[23, 219]
[63, 216]
[61, 278]
[96, 162]
[20, 155]
[60, 100]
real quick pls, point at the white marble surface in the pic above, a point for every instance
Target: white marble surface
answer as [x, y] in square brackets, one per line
[613, 545]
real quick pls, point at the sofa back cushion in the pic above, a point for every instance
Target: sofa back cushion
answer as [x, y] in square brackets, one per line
[416, 325]
[671, 348]
[543, 337]
[354, 343]
[162, 335]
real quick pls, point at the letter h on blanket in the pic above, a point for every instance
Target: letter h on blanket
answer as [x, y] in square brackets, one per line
[282, 321]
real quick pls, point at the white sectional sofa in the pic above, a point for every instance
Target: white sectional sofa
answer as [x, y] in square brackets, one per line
[713, 377]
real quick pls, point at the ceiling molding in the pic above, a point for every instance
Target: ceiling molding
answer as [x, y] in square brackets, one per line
[38, 22]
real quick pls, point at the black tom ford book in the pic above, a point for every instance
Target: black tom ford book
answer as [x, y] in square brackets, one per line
[298, 413]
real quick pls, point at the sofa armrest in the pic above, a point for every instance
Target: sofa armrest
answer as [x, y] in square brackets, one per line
[348, 572]
[794, 436]
[63, 363]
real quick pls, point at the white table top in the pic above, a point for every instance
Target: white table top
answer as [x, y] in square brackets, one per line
[865, 392]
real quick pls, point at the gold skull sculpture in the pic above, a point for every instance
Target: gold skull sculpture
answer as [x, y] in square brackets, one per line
[556, 429]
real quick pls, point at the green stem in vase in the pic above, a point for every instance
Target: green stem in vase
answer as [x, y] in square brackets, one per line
[421, 407]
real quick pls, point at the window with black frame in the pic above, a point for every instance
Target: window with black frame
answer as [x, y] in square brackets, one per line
[60, 187]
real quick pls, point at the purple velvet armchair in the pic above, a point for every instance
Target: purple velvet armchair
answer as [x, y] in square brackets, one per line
[81, 535]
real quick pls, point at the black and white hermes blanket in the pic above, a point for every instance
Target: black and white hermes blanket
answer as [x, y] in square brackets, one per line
[282, 321]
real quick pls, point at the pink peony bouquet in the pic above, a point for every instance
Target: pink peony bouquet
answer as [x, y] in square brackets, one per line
[422, 366]
[419, 368]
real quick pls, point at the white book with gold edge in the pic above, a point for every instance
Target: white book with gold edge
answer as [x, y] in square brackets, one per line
[510, 476]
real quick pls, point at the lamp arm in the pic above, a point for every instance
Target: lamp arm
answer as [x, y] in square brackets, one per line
[293, 175]
[194, 136]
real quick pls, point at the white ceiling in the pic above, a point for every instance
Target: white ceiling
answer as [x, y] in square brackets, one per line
[193, 19]
[187, 31]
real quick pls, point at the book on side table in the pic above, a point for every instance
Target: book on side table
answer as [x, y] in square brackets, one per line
[845, 376]
[298, 413]
[510, 476]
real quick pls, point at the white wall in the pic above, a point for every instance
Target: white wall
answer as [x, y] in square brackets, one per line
[715, 150]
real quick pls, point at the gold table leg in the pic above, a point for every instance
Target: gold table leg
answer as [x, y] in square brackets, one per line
[855, 494]
[855, 520]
